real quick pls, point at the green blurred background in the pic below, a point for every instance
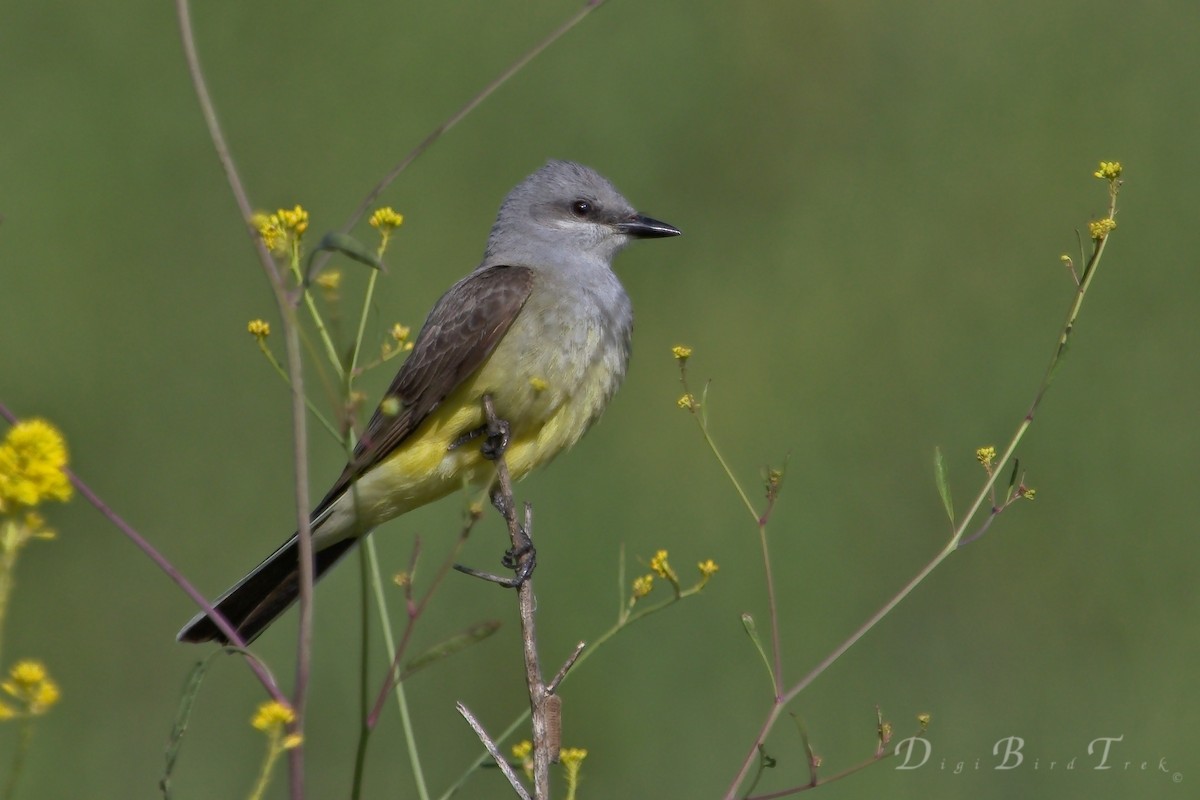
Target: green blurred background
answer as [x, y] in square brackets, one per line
[874, 198]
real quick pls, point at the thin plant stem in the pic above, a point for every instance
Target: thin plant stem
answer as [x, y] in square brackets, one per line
[773, 610]
[985, 493]
[294, 366]
[24, 736]
[331, 353]
[312, 409]
[369, 717]
[702, 422]
[8, 565]
[364, 675]
[458, 116]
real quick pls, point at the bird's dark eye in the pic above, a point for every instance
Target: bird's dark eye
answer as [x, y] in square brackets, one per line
[581, 208]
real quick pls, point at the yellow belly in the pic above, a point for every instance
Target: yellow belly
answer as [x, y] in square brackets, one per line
[548, 395]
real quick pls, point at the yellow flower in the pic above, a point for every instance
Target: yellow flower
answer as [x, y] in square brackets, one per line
[538, 384]
[330, 280]
[572, 759]
[687, 402]
[30, 685]
[272, 715]
[259, 329]
[985, 456]
[270, 229]
[35, 527]
[1026, 492]
[27, 674]
[523, 752]
[1109, 170]
[294, 221]
[923, 720]
[708, 568]
[400, 332]
[662, 568]
[390, 406]
[1100, 228]
[681, 352]
[386, 220]
[33, 457]
[642, 586]
[571, 755]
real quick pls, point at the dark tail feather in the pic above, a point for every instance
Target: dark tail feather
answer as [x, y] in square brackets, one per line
[258, 599]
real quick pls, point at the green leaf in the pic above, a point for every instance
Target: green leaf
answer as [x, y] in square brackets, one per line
[943, 485]
[347, 245]
[448, 647]
[752, 631]
[1012, 479]
[191, 688]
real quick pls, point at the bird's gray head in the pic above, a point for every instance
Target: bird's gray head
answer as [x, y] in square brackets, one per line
[566, 211]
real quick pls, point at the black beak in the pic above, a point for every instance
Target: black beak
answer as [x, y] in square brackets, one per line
[641, 227]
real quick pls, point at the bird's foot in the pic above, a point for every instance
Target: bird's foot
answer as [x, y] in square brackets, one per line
[520, 560]
[496, 441]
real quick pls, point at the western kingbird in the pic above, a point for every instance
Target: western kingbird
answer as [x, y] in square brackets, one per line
[542, 325]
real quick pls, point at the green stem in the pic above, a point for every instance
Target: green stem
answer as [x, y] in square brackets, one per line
[712, 445]
[318, 321]
[410, 738]
[18, 763]
[956, 538]
[9, 545]
[282, 373]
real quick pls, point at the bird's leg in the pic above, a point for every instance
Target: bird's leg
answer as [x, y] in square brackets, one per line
[521, 558]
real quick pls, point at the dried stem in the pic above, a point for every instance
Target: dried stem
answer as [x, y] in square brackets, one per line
[494, 751]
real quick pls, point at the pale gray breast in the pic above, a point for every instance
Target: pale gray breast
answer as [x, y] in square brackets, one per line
[582, 323]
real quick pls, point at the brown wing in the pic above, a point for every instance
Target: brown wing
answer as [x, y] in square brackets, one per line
[462, 330]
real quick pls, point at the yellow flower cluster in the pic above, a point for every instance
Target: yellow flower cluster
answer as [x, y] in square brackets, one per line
[571, 759]
[271, 718]
[259, 329]
[523, 752]
[687, 402]
[1109, 170]
[985, 456]
[273, 715]
[539, 384]
[399, 341]
[280, 228]
[33, 457]
[385, 220]
[642, 586]
[329, 280]
[31, 688]
[662, 567]
[681, 352]
[294, 221]
[1101, 228]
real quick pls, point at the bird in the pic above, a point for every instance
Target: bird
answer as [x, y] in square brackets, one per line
[542, 326]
